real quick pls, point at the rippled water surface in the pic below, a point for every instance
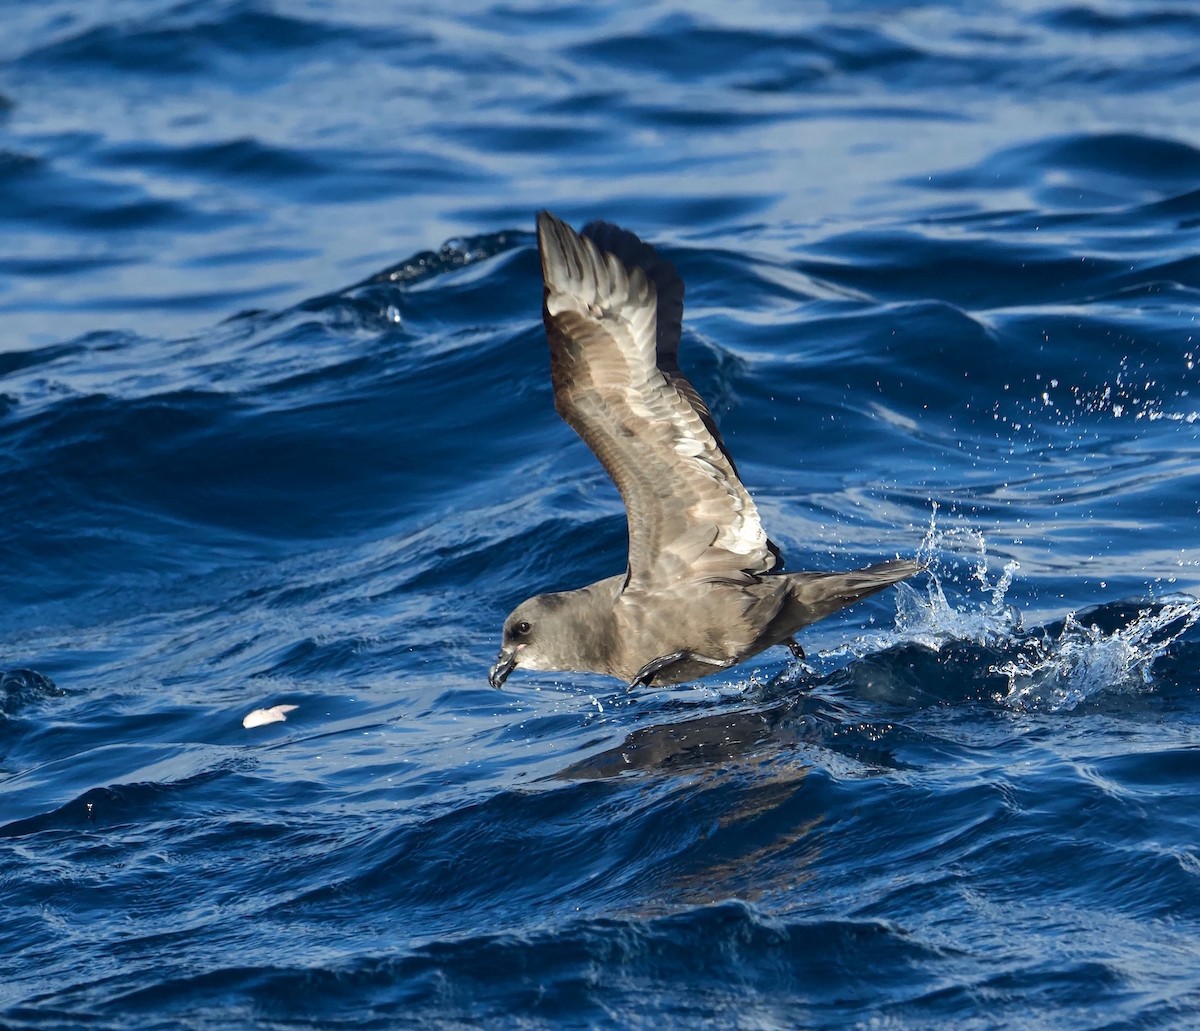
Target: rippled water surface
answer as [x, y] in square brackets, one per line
[276, 429]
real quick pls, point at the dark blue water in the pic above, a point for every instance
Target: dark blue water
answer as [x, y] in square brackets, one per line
[276, 428]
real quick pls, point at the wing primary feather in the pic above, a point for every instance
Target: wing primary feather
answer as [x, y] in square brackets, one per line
[613, 311]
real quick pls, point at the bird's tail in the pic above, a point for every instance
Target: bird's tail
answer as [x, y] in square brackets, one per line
[816, 595]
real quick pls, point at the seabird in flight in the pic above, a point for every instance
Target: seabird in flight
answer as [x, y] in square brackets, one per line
[698, 594]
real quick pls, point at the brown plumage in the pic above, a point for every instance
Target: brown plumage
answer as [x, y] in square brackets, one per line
[698, 594]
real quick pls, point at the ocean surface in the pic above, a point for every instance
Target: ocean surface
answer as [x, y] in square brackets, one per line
[276, 429]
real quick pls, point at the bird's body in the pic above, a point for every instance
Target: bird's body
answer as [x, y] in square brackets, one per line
[699, 594]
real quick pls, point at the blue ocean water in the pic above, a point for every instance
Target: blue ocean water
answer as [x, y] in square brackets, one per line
[276, 429]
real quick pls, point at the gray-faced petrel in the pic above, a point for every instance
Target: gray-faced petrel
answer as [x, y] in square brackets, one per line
[698, 594]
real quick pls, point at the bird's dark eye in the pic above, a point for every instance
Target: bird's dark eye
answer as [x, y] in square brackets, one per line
[522, 628]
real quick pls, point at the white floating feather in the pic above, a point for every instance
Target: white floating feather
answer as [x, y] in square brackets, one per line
[261, 717]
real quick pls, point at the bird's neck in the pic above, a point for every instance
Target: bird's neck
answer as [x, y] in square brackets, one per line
[592, 646]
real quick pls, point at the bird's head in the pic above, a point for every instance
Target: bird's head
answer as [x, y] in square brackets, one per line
[533, 634]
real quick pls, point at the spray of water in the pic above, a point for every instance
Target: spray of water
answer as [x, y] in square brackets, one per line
[956, 562]
[1058, 673]
[1049, 671]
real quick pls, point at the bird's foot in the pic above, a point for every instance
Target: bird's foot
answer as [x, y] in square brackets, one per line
[794, 647]
[646, 674]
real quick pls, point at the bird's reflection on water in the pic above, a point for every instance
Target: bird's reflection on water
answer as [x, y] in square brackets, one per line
[706, 743]
[741, 777]
[788, 715]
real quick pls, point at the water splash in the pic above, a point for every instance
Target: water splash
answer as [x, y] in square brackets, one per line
[926, 616]
[933, 619]
[1046, 669]
[1057, 673]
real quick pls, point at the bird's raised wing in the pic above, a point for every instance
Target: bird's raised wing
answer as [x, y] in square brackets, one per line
[612, 310]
